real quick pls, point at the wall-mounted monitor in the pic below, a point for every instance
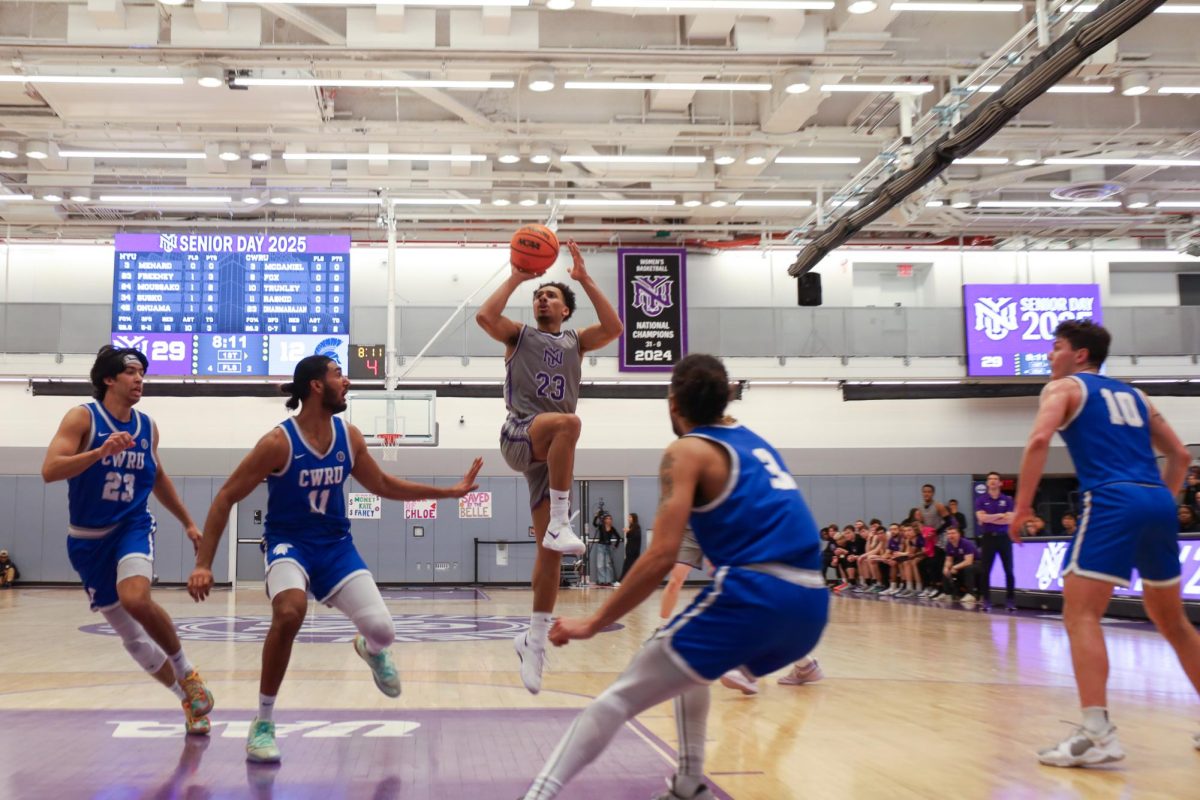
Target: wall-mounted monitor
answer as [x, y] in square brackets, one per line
[1010, 327]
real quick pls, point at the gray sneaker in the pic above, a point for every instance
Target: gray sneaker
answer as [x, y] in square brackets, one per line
[1084, 749]
[703, 793]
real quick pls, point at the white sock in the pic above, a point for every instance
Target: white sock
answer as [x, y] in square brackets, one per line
[539, 628]
[266, 707]
[182, 666]
[560, 506]
[1095, 719]
[178, 691]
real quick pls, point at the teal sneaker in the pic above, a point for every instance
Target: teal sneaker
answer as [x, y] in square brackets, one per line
[382, 668]
[260, 744]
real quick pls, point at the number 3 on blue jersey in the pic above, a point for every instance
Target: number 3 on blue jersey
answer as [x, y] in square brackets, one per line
[1122, 408]
[112, 487]
[779, 478]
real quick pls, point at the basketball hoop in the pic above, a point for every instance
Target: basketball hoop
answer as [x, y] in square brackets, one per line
[390, 444]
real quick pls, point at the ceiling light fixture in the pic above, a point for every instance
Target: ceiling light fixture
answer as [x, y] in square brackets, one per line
[509, 154]
[81, 196]
[260, 151]
[436, 201]
[818, 160]
[774, 203]
[692, 200]
[719, 201]
[1104, 161]
[340, 201]
[934, 203]
[37, 150]
[560, 5]
[276, 198]
[1048, 204]
[669, 86]
[1139, 200]
[987, 161]
[127, 80]
[541, 79]
[373, 83]
[1026, 160]
[602, 203]
[52, 196]
[797, 81]
[862, 6]
[210, 76]
[251, 199]
[501, 199]
[1068, 88]
[438, 3]
[172, 199]
[756, 155]
[1179, 90]
[229, 151]
[724, 156]
[1177, 204]
[541, 154]
[1135, 84]
[874, 88]
[383, 157]
[623, 159]
[960, 200]
[527, 199]
[15, 197]
[8, 149]
[936, 5]
[163, 154]
[717, 5]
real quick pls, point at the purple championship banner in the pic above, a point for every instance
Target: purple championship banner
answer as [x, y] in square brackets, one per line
[652, 301]
[1010, 327]
[1038, 566]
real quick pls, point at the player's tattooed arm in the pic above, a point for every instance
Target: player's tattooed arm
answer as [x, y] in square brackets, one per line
[666, 481]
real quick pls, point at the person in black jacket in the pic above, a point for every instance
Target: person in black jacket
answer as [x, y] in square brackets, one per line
[633, 545]
[8, 571]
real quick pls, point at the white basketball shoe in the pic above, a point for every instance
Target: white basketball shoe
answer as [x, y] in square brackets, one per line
[802, 674]
[1084, 749]
[562, 539]
[533, 660]
[702, 793]
[736, 679]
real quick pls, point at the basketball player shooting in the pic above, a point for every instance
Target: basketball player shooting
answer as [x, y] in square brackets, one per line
[543, 367]
[1129, 522]
[767, 605]
[107, 451]
[306, 461]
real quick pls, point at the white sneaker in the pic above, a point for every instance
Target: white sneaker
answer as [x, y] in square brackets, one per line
[736, 679]
[968, 600]
[810, 673]
[703, 793]
[1084, 749]
[533, 659]
[562, 539]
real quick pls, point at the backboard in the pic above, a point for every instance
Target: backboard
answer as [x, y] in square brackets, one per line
[410, 413]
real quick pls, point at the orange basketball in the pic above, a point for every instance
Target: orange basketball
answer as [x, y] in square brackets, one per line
[534, 249]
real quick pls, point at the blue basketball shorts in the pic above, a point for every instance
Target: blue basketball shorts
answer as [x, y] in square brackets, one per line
[747, 619]
[1126, 526]
[96, 560]
[327, 562]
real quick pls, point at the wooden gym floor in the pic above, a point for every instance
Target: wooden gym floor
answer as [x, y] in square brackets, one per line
[919, 701]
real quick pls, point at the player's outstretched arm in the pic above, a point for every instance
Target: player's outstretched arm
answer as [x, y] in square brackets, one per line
[1167, 442]
[269, 455]
[1059, 400]
[367, 472]
[164, 490]
[490, 315]
[63, 459]
[609, 328]
[678, 474]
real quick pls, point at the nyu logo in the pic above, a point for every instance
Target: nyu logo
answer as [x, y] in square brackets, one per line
[996, 317]
[1049, 571]
[652, 294]
[552, 356]
[168, 242]
[132, 341]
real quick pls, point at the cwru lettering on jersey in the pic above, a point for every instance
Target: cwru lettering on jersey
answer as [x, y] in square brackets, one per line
[116, 488]
[307, 498]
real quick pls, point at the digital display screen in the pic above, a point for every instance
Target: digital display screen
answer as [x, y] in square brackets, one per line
[1010, 327]
[231, 304]
[1038, 566]
[367, 361]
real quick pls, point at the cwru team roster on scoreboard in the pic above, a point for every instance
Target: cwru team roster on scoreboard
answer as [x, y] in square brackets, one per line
[231, 304]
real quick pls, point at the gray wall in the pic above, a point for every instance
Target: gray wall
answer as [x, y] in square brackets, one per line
[732, 332]
[33, 523]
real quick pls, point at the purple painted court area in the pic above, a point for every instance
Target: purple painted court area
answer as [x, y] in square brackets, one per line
[414, 755]
[433, 593]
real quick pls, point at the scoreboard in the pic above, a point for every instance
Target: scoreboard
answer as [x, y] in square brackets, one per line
[231, 304]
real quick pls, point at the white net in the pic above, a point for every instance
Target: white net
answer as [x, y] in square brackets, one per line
[389, 445]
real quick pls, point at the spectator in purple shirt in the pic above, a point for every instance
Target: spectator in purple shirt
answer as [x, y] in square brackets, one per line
[960, 569]
[993, 513]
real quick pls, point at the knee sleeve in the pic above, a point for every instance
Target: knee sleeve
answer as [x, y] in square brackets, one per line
[360, 600]
[137, 642]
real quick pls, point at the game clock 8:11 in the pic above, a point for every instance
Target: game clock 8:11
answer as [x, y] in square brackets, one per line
[367, 361]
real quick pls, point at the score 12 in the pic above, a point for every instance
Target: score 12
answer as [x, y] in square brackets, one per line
[367, 361]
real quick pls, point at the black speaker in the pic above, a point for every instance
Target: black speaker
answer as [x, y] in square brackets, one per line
[808, 289]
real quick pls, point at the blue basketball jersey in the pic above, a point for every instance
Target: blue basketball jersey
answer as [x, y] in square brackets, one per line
[1109, 436]
[307, 497]
[116, 488]
[761, 516]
